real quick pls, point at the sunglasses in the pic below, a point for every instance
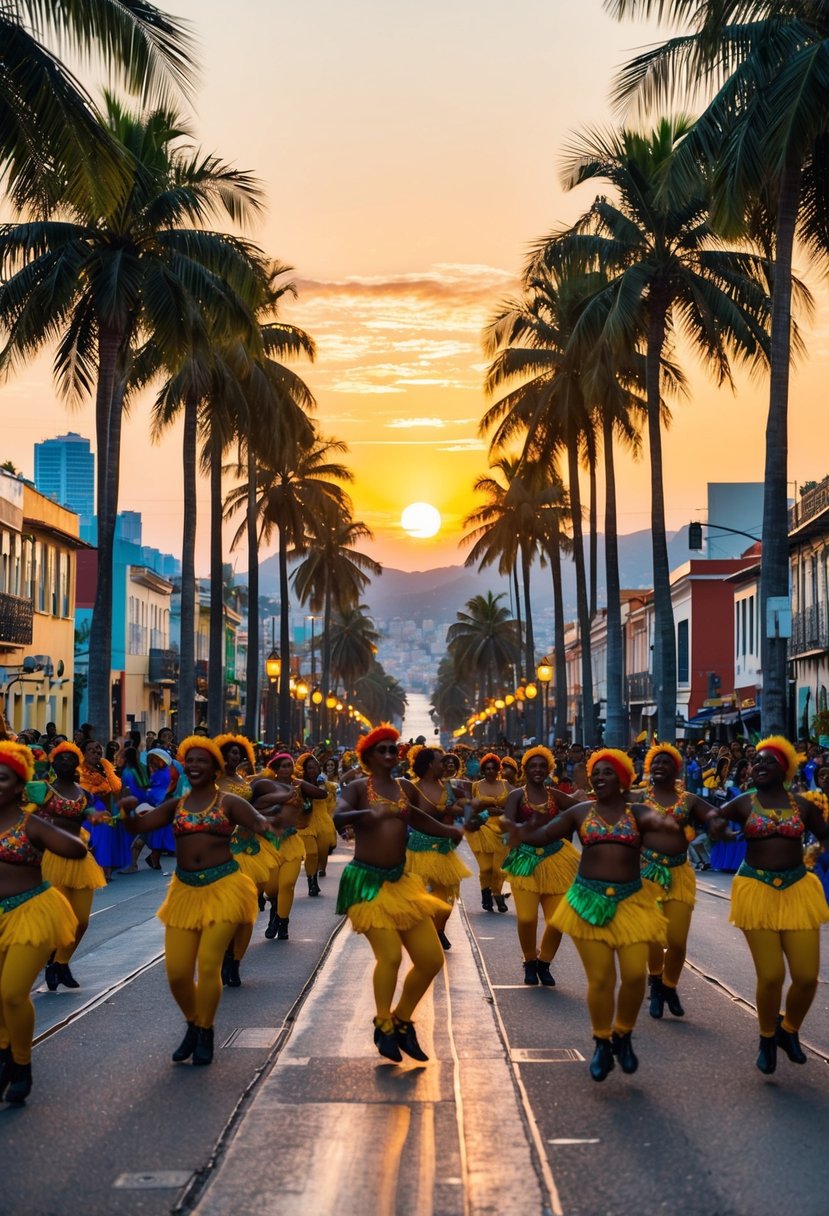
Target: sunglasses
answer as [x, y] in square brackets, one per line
[382, 750]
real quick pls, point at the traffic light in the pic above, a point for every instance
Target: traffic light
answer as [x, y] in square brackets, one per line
[695, 536]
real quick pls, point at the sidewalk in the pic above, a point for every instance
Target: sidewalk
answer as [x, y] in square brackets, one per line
[335, 1129]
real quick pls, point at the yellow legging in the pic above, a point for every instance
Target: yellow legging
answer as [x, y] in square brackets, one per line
[81, 902]
[771, 950]
[280, 886]
[312, 860]
[448, 897]
[241, 941]
[669, 963]
[491, 874]
[599, 962]
[183, 950]
[19, 967]
[527, 904]
[424, 950]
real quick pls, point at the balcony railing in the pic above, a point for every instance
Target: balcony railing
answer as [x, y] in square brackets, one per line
[810, 630]
[811, 503]
[16, 617]
[163, 666]
[639, 686]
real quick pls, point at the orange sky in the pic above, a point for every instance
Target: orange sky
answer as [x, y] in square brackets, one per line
[410, 154]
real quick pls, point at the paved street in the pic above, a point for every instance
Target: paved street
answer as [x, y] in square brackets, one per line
[299, 1115]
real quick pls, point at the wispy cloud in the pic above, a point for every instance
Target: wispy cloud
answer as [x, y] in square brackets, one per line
[404, 423]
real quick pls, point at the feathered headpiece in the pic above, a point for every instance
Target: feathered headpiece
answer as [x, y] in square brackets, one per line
[66, 746]
[206, 745]
[539, 751]
[18, 758]
[381, 734]
[666, 749]
[784, 751]
[619, 761]
[244, 745]
[491, 758]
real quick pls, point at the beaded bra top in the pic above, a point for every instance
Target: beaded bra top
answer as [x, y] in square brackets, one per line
[373, 798]
[240, 788]
[594, 830]
[500, 800]
[680, 812]
[212, 819]
[764, 823]
[66, 808]
[15, 847]
[527, 809]
[443, 800]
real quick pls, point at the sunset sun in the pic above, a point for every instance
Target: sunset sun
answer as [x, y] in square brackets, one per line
[421, 520]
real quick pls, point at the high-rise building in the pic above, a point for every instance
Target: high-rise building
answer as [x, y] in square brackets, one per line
[65, 471]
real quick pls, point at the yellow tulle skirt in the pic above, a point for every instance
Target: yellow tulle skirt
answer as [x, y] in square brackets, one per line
[637, 919]
[291, 849]
[552, 876]
[488, 839]
[397, 905]
[44, 920]
[83, 875]
[321, 825]
[257, 866]
[683, 886]
[438, 869]
[231, 899]
[755, 905]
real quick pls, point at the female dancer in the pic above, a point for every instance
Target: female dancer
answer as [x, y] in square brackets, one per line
[34, 917]
[164, 779]
[538, 877]
[606, 911]
[776, 902]
[489, 797]
[392, 908]
[316, 828]
[511, 771]
[100, 781]
[435, 860]
[284, 791]
[666, 871]
[77, 877]
[332, 789]
[208, 897]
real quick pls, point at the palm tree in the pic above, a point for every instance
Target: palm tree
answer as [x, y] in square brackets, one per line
[378, 695]
[666, 275]
[765, 133]
[452, 696]
[354, 641]
[333, 574]
[104, 278]
[484, 642]
[293, 488]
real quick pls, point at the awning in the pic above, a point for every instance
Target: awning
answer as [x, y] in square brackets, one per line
[750, 715]
[705, 715]
[648, 711]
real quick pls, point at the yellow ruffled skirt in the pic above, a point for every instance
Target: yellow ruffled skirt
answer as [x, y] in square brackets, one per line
[756, 905]
[637, 919]
[321, 825]
[44, 920]
[83, 875]
[291, 849]
[252, 858]
[231, 899]
[552, 876]
[397, 905]
[488, 838]
[683, 886]
[438, 869]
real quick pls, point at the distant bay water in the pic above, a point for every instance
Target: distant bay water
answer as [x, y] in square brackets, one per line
[417, 720]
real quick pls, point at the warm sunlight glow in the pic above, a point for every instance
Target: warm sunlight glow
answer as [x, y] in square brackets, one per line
[421, 520]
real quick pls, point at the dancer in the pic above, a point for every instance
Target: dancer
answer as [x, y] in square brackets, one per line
[34, 917]
[102, 784]
[164, 779]
[666, 870]
[776, 902]
[331, 787]
[393, 909]
[538, 877]
[511, 771]
[283, 791]
[434, 859]
[606, 911]
[208, 896]
[485, 828]
[78, 877]
[315, 828]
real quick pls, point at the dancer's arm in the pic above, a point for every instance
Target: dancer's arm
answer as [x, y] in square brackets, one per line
[44, 834]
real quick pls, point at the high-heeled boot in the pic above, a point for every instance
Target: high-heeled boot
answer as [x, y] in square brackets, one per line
[767, 1055]
[5, 1069]
[624, 1053]
[602, 1062]
[282, 929]
[788, 1041]
[203, 1051]
[273, 923]
[486, 900]
[672, 1001]
[406, 1039]
[20, 1084]
[500, 902]
[187, 1045]
[656, 1003]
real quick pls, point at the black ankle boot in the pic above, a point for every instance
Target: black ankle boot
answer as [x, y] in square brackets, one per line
[261, 901]
[187, 1045]
[20, 1083]
[444, 940]
[203, 1051]
[313, 886]
[501, 902]
[234, 979]
[386, 1042]
[226, 961]
[486, 900]
[51, 976]
[65, 976]
[602, 1062]
[656, 1005]
[767, 1056]
[545, 974]
[282, 929]
[530, 970]
[623, 1051]
[788, 1041]
[406, 1039]
[5, 1069]
[672, 1001]
[273, 924]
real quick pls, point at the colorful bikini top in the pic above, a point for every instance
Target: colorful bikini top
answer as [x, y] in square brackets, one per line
[443, 800]
[764, 823]
[500, 800]
[212, 819]
[16, 849]
[527, 809]
[401, 803]
[66, 808]
[594, 830]
[240, 788]
[680, 812]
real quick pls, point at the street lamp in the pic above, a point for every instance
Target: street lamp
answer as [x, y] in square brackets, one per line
[273, 670]
[544, 674]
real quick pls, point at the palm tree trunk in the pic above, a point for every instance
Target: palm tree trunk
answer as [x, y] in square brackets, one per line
[518, 615]
[326, 654]
[581, 593]
[594, 538]
[558, 627]
[530, 645]
[100, 634]
[664, 648]
[216, 656]
[284, 644]
[774, 562]
[252, 668]
[187, 642]
[615, 725]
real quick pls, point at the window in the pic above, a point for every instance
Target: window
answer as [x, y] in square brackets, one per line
[751, 624]
[682, 652]
[737, 629]
[40, 576]
[744, 630]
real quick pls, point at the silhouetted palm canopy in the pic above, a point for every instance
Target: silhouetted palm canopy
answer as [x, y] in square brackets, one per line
[484, 642]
